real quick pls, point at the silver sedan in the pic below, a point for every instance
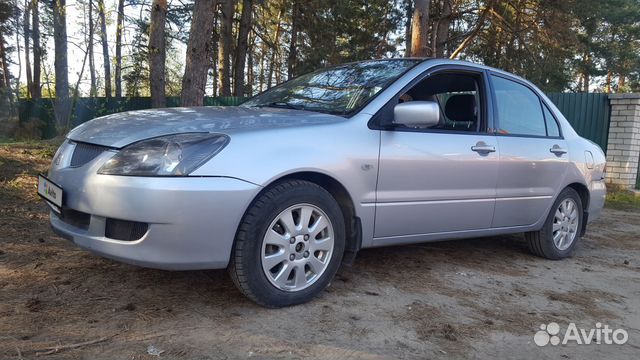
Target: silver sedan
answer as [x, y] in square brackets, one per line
[285, 187]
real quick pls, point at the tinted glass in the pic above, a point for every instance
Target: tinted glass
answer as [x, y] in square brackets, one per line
[552, 125]
[519, 110]
[338, 90]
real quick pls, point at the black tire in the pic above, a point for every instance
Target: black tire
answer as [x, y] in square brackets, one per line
[541, 242]
[245, 266]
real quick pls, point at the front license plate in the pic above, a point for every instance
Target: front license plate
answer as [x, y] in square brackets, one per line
[50, 192]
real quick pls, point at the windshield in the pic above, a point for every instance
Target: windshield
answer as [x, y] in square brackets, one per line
[338, 90]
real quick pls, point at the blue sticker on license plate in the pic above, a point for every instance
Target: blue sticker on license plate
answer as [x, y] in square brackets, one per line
[50, 191]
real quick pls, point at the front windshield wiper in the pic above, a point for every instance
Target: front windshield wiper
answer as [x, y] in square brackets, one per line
[282, 105]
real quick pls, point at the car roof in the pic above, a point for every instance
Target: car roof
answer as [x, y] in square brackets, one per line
[446, 61]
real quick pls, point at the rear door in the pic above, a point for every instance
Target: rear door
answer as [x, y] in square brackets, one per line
[533, 153]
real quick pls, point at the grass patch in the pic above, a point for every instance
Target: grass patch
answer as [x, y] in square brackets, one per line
[44, 149]
[622, 199]
[57, 141]
[19, 160]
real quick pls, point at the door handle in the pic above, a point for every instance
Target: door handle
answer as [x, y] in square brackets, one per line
[483, 148]
[558, 150]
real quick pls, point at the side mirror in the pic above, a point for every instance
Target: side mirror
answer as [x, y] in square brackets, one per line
[417, 114]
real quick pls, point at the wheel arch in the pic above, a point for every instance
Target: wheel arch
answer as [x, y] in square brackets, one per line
[353, 224]
[583, 192]
[339, 192]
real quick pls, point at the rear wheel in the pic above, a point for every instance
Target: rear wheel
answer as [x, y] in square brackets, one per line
[289, 244]
[561, 231]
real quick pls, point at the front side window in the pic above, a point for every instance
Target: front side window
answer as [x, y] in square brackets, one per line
[519, 109]
[457, 96]
[339, 90]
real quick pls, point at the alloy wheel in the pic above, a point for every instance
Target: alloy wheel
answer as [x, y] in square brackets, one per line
[565, 224]
[297, 247]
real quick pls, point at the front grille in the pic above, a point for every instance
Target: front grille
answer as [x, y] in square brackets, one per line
[83, 153]
[125, 230]
[75, 218]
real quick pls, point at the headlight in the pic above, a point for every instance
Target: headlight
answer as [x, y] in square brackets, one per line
[172, 155]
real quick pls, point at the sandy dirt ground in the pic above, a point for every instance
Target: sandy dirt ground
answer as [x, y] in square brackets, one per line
[477, 298]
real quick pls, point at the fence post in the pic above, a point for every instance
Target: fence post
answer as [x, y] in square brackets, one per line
[623, 148]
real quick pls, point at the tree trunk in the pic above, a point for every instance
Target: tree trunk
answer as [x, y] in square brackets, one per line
[119, 30]
[27, 36]
[407, 27]
[293, 45]
[36, 91]
[157, 53]
[197, 63]
[225, 46]
[250, 76]
[62, 105]
[241, 48]
[585, 85]
[263, 52]
[7, 105]
[16, 22]
[419, 28]
[274, 49]
[4, 80]
[587, 65]
[215, 40]
[442, 29]
[105, 49]
[93, 92]
[580, 80]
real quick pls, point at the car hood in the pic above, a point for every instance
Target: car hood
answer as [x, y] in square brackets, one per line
[121, 129]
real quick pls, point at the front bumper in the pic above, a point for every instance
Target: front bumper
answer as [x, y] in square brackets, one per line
[192, 221]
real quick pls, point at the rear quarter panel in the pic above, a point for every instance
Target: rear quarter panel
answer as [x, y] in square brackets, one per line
[588, 168]
[581, 169]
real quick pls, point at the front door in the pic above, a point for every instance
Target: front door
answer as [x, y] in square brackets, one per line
[440, 179]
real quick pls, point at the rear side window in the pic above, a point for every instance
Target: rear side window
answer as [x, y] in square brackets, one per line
[552, 125]
[519, 109]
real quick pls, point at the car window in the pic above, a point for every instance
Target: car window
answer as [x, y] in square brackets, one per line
[458, 97]
[340, 90]
[552, 125]
[519, 109]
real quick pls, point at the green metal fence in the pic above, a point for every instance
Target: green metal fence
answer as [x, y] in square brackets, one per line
[86, 109]
[589, 114]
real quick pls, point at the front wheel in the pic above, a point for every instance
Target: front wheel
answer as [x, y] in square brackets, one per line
[289, 244]
[561, 231]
